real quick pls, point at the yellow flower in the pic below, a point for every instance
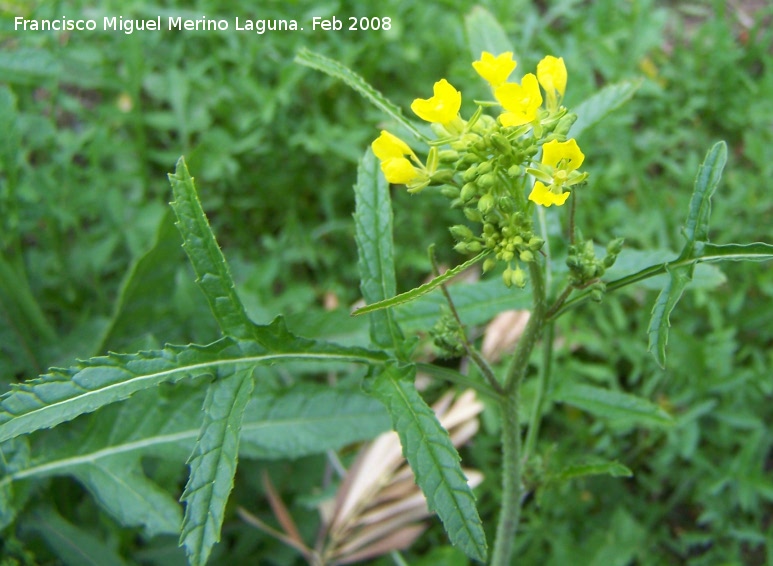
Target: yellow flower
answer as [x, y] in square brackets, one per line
[560, 161]
[544, 196]
[443, 107]
[520, 100]
[551, 73]
[495, 70]
[391, 151]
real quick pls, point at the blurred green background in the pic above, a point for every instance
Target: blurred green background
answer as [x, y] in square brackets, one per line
[91, 123]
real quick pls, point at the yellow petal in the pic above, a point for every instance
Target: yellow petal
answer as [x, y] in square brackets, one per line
[495, 70]
[554, 151]
[520, 100]
[551, 73]
[443, 107]
[398, 170]
[388, 146]
[543, 196]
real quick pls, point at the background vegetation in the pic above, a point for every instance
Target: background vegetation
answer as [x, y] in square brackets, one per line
[91, 123]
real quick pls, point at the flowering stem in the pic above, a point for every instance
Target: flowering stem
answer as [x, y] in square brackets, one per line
[539, 401]
[511, 427]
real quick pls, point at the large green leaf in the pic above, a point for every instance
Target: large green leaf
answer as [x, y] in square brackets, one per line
[484, 33]
[594, 108]
[308, 419]
[422, 289]
[432, 457]
[696, 231]
[213, 462]
[614, 406]
[375, 248]
[207, 259]
[64, 394]
[339, 71]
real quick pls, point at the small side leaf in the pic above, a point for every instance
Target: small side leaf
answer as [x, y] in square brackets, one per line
[213, 463]
[373, 225]
[594, 108]
[484, 33]
[433, 459]
[660, 320]
[423, 289]
[208, 262]
[615, 406]
[339, 71]
[710, 172]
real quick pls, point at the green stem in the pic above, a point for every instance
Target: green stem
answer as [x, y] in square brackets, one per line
[511, 428]
[535, 418]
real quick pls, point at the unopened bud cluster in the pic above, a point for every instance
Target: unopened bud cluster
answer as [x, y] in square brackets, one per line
[585, 269]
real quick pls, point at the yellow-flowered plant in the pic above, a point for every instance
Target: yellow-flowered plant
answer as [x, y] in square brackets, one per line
[491, 163]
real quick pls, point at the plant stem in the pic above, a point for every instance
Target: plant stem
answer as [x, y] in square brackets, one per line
[511, 427]
[544, 381]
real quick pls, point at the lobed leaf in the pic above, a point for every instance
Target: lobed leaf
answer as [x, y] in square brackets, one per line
[208, 262]
[697, 232]
[213, 462]
[340, 71]
[432, 457]
[421, 290]
[615, 406]
[596, 107]
[484, 33]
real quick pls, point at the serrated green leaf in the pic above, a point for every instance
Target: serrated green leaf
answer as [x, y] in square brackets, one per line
[208, 262]
[66, 393]
[423, 289]
[578, 470]
[432, 457]
[615, 406]
[308, 419]
[71, 544]
[339, 71]
[706, 182]
[213, 463]
[484, 33]
[143, 301]
[596, 107]
[14, 456]
[375, 249]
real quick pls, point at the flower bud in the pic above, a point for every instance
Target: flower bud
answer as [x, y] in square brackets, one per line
[565, 124]
[535, 243]
[461, 232]
[449, 191]
[461, 247]
[448, 156]
[468, 191]
[615, 246]
[473, 215]
[485, 167]
[474, 246]
[487, 180]
[442, 177]
[500, 143]
[489, 264]
[519, 278]
[470, 174]
[486, 203]
[526, 256]
[515, 171]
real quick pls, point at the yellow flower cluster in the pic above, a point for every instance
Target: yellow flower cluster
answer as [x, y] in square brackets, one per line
[524, 109]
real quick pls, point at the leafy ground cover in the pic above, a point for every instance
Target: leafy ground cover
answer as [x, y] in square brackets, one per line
[91, 262]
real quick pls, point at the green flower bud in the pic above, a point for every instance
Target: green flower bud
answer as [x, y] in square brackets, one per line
[615, 246]
[500, 143]
[609, 260]
[519, 278]
[486, 203]
[488, 229]
[506, 204]
[473, 215]
[474, 246]
[507, 255]
[515, 171]
[449, 191]
[526, 256]
[507, 277]
[564, 124]
[485, 167]
[487, 180]
[471, 174]
[461, 232]
[448, 156]
[468, 191]
[461, 247]
[489, 264]
[535, 243]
